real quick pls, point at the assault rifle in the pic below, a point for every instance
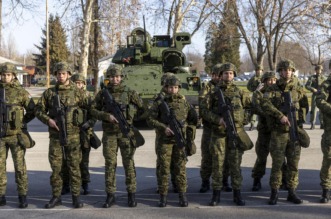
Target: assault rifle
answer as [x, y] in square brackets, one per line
[290, 111]
[174, 125]
[61, 122]
[225, 110]
[111, 106]
[3, 113]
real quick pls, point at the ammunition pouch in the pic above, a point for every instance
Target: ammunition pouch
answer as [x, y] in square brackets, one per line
[138, 139]
[79, 116]
[245, 143]
[304, 139]
[24, 139]
[15, 117]
[89, 139]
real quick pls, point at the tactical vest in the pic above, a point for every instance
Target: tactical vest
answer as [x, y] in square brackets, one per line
[178, 104]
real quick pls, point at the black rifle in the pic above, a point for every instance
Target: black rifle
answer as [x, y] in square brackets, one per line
[290, 111]
[61, 122]
[168, 116]
[111, 106]
[225, 110]
[3, 113]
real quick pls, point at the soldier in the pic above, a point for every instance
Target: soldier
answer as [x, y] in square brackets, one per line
[16, 100]
[263, 139]
[70, 100]
[323, 102]
[206, 157]
[113, 139]
[167, 149]
[220, 143]
[280, 144]
[313, 84]
[252, 85]
[86, 134]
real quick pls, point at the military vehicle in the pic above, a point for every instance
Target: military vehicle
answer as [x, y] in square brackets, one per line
[144, 59]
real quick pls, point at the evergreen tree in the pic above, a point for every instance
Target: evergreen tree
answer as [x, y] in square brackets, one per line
[58, 49]
[223, 42]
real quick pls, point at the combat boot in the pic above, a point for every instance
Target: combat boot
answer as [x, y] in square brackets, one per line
[256, 184]
[205, 186]
[110, 200]
[65, 189]
[237, 197]
[55, 201]
[312, 126]
[3, 200]
[215, 198]
[85, 189]
[226, 186]
[252, 126]
[163, 201]
[273, 197]
[76, 201]
[23, 203]
[322, 126]
[132, 199]
[292, 197]
[183, 200]
[325, 196]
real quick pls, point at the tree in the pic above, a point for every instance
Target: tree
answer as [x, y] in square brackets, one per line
[58, 48]
[225, 40]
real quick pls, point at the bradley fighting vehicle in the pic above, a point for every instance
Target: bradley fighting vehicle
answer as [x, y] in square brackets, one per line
[145, 59]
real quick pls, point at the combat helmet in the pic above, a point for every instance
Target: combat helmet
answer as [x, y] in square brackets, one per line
[173, 81]
[165, 76]
[9, 68]
[228, 67]
[78, 77]
[267, 75]
[114, 70]
[285, 64]
[216, 69]
[61, 66]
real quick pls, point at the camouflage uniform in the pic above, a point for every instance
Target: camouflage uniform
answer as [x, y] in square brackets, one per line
[280, 144]
[323, 102]
[17, 100]
[73, 100]
[113, 139]
[85, 146]
[167, 150]
[219, 142]
[314, 82]
[206, 157]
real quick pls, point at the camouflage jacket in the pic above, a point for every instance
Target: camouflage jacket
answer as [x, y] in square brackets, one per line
[203, 92]
[72, 100]
[129, 101]
[314, 82]
[272, 102]
[19, 106]
[253, 83]
[183, 112]
[238, 99]
[323, 102]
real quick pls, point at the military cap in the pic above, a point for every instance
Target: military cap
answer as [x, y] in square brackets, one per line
[78, 77]
[8, 67]
[216, 68]
[114, 70]
[228, 67]
[61, 66]
[319, 67]
[285, 64]
[173, 81]
[267, 75]
[165, 76]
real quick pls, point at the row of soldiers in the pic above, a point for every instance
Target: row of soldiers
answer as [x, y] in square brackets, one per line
[172, 146]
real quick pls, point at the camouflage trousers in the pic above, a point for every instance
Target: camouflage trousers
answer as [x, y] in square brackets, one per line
[84, 168]
[73, 156]
[262, 152]
[111, 142]
[206, 156]
[281, 148]
[219, 148]
[167, 153]
[325, 174]
[18, 153]
[313, 111]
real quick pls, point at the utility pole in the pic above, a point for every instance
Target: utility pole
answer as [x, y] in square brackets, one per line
[47, 46]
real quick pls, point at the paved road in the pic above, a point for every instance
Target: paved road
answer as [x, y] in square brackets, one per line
[256, 202]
